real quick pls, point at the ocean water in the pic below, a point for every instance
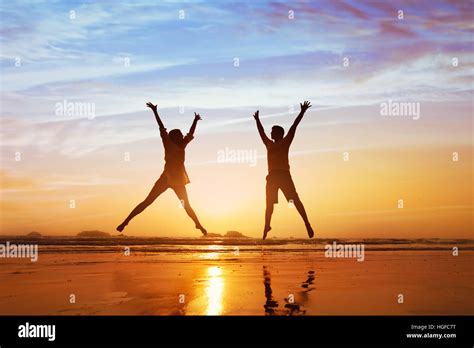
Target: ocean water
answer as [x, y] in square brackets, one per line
[69, 244]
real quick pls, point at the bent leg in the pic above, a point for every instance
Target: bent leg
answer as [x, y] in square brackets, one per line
[159, 187]
[183, 196]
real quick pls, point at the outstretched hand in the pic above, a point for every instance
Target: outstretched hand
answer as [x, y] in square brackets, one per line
[151, 106]
[197, 117]
[305, 106]
[256, 115]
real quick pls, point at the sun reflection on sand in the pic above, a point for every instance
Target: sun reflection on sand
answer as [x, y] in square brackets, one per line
[214, 290]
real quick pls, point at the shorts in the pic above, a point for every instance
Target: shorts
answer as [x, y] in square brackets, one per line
[162, 184]
[280, 180]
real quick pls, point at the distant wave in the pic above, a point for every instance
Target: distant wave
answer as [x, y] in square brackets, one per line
[226, 245]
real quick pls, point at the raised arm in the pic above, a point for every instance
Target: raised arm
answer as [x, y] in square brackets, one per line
[197, 118]
[261, 131]
[158, 119]
[291, 133]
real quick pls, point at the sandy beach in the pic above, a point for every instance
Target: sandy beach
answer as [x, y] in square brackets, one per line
[224, 280]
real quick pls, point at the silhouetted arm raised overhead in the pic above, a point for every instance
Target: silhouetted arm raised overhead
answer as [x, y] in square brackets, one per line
[197, 118]
[261, 131]
[291, 133]
[190, 136]
[158, 119]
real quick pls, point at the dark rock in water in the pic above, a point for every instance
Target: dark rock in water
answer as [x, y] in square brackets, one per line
[34, 234]
[234, 234]
[93, 234]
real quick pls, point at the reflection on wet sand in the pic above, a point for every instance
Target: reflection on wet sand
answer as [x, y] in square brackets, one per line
[294, 302]
[209, 285]
[270, 305]
[214, 290]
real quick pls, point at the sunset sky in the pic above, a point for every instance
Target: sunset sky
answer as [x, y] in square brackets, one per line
[351, 164]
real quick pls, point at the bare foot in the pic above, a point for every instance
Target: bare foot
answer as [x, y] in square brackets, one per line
[120, 227]
[310, 231]
[203, 230]
[265, 231]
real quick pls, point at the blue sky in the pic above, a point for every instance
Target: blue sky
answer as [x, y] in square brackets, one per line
[185, 61]
[190, 62]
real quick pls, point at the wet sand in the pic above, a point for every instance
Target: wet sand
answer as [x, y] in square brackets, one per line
[432, 282]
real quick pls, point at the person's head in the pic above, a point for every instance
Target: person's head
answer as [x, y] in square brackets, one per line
[176, 136]
[277, 133]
